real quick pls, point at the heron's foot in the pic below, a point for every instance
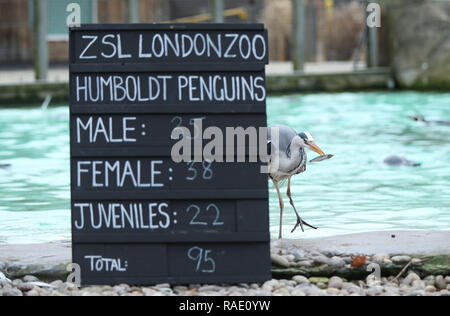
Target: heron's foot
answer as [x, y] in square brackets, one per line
[300, 223]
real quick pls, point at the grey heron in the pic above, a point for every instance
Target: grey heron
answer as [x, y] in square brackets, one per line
[287, 157]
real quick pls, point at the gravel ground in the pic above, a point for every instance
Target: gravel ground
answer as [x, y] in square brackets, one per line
[411, 285]
[408, 283]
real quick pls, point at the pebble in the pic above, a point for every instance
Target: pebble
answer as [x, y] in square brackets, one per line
[387, 261]
[279, 260]
[305, 263]
[300, 279]
[375, 290]
[11, 292]
[290, 258]
[33, 292]
[321, 259]
[298, 292]
[317, 280]
[335, 282]
[401, 259]
[430, 289]
[440, 282]
[299, 254]
[379, 258]
[30, 278]
[429, 280]
[334, 292]
[25, 287]
[337, 262]
[410, 279]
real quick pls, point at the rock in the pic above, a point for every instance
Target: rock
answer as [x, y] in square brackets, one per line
[30, 278]
[11, 292]
[282, 291]
[271, 283]
[429, 280]
[305, 263]
[336, 262]
[379, 258]
[279, 261]
[16, 282]
[401, 259]
[447, 279]
[387, 261]
[288, 283]
[317, 280]
[33, 292]
[300, 279]
[418, 285]
[299, 254]
[313, 291]
[430, 289]
[149, 292]
[448, 286]
[321, 285]
[410, 279]
[347, 260]
[179, 289]
[333, 292]
[335, 282]
[375, 290]
[2, 266]
[210, 288]
[354, 289]
[440, 282]
[290, 258]
[297, 292]
[321, 259]
[25, 287]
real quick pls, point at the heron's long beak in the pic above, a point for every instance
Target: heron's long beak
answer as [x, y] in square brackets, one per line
[316, 148]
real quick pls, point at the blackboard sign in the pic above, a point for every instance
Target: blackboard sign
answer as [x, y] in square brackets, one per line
[139, 216]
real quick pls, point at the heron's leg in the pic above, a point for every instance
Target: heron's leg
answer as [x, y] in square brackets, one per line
[275, 183]
[300, 221]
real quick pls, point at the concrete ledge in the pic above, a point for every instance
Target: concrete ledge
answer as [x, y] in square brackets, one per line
[33, 93]
[372, 79]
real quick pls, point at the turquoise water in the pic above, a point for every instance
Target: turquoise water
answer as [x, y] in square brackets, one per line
[352, 192]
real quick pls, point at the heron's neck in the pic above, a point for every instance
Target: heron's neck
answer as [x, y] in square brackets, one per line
[294, 156]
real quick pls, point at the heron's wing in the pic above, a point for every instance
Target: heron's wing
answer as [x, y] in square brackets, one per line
[285, 133]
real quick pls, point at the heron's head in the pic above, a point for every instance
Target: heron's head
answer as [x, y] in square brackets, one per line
[306, 140]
